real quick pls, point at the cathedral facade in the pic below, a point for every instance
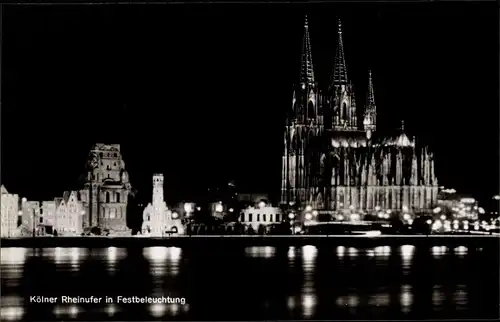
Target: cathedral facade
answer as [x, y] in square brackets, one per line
[334, 160]
[106, 189]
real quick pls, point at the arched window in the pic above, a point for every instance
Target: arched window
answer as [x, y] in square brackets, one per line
[107, 196]
[97, 177]
[118, 197]
[344, 111]
[311, 114]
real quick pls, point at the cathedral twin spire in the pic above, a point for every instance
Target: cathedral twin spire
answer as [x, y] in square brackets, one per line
[307, 69]
[339, 75]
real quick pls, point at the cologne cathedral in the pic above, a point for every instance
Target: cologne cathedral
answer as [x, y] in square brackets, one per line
[335, 161]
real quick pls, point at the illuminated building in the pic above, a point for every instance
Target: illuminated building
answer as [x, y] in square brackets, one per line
[335, 163]
[69, 212]
[260, 215]
[157, 218]
[106, 189]
[9, 213]
[30, 212]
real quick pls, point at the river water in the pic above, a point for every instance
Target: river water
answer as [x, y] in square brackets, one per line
[264, 282]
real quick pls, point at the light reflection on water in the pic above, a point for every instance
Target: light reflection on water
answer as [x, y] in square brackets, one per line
[308, 296]
[66, 311]
[439, 251]
[407, 252]
[166, 263]
[260, 251]
[406, 298]
[11, 308]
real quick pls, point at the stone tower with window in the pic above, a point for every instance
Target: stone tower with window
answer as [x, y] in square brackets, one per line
[106, 189]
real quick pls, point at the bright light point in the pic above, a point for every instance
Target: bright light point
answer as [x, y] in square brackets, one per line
[262, 204]
[429, 222]
[497, 197]
[175, 215]
[410, 221]
[83, 212]
[443, 217]
[308, 216]
[340, 217]
[24, 199]
[19, 212]
[481, 211]
[437, 225]
[219, 208]
[188, 207]
[406, 217]
[231, 209]
[386, 216]
[291, 215]
[389, 211]
[468, 200]
[351, 207]
[308, 209]
[405, 208]
[355, 217]
[377, 208]
[437, 210]
[315, 213]
[198, 208]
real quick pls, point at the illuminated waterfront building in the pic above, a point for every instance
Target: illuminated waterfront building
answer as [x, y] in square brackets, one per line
[69, 215]
[333, 162]
[9, 213]
[261, 215]
[157, 218]
[106, 189]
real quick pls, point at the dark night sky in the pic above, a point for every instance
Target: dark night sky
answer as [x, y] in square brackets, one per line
[199, 92]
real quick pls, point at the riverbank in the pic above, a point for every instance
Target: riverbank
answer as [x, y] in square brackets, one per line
[237, 240]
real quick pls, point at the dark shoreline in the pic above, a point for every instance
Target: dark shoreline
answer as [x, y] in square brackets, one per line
[230, 241]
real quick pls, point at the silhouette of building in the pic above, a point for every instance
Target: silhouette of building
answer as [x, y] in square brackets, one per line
[333, 162]
[106, 189]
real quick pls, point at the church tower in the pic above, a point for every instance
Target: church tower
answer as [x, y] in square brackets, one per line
[343, 102]
[304, 123]
[370, 115]
[157, 190]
